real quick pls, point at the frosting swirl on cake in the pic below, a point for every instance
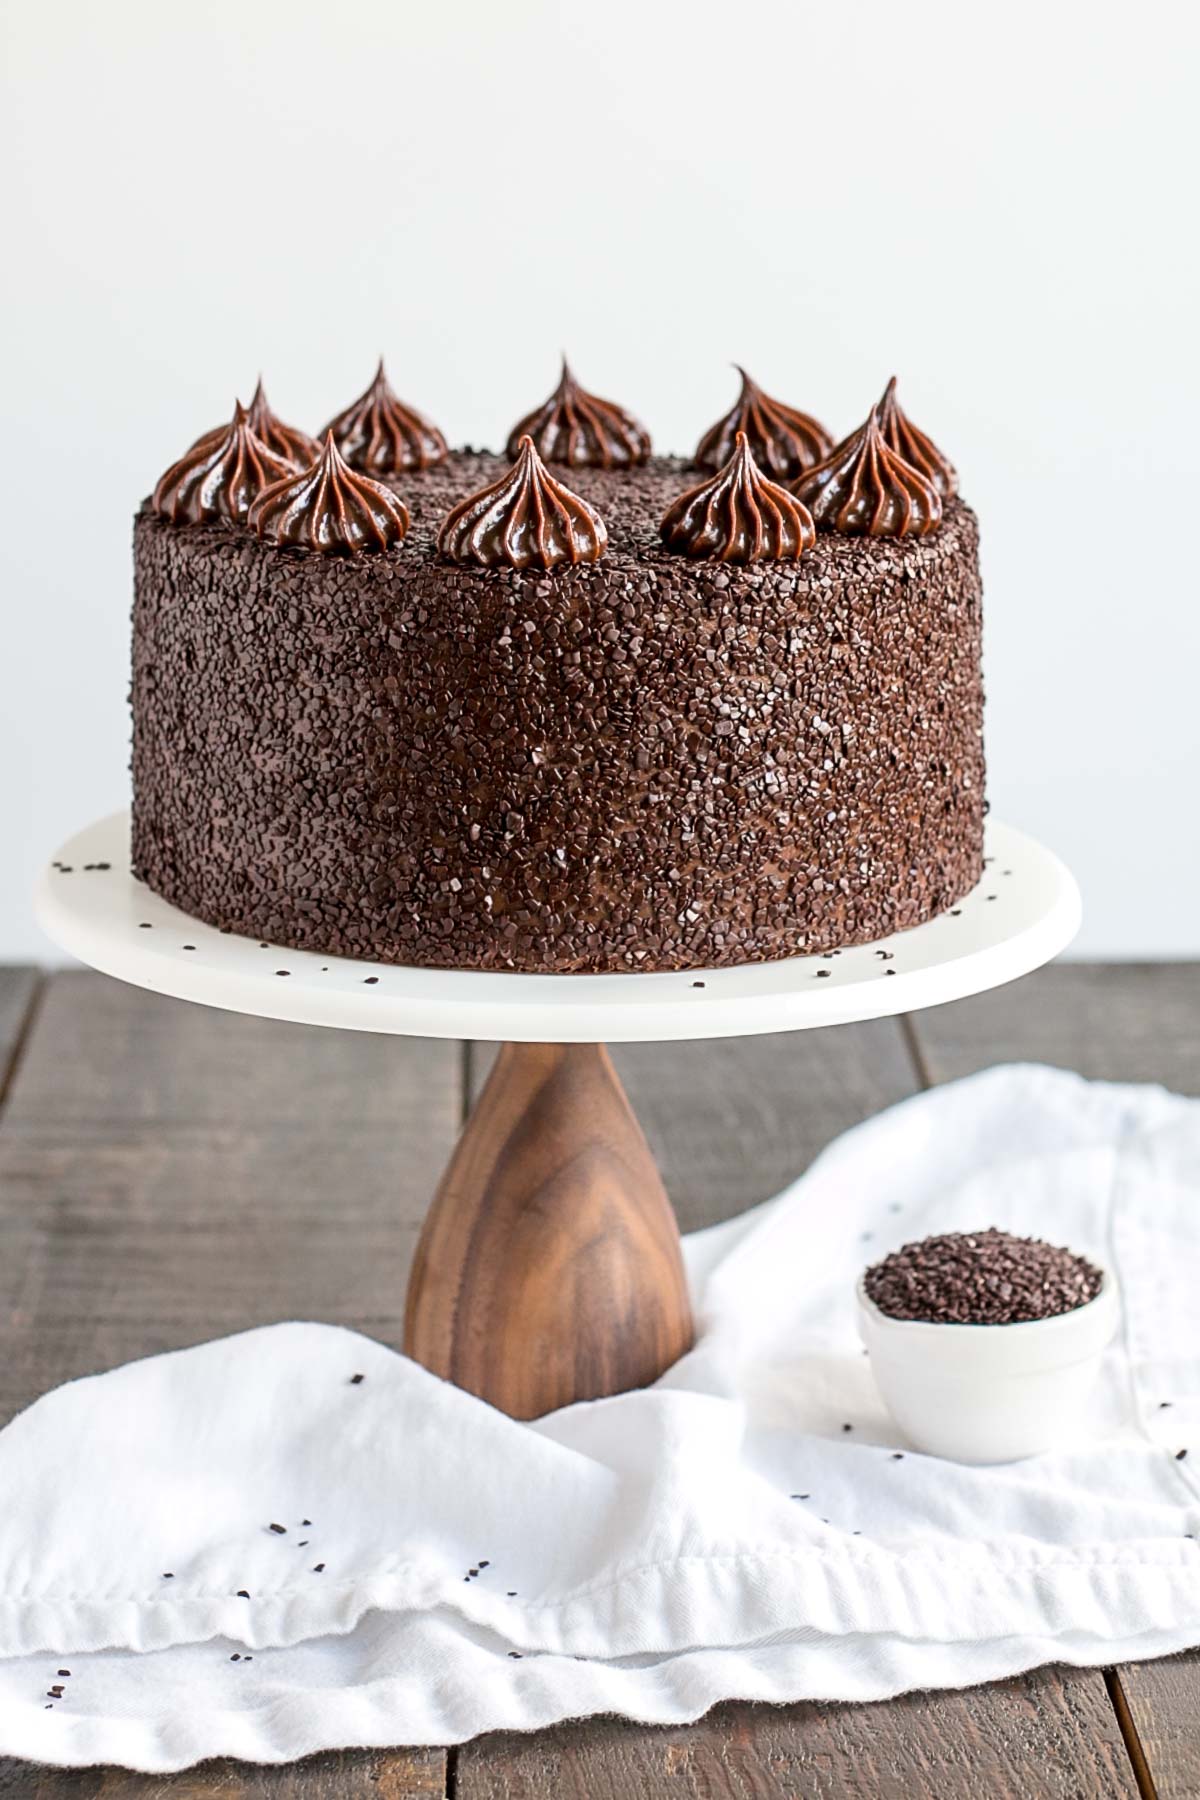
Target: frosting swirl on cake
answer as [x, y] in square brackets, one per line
[902, 436]
[220, 476]
[526, 520]
[330, 508]
[739, 516]
[581, 430]
[379, 434]
[782, 441]
[294, 445]
[866, 490]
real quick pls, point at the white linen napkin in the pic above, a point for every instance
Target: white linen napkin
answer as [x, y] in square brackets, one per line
[296, 1539]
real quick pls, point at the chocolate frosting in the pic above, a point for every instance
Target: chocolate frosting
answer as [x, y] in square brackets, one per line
[782, 441]
[220, 476]
[866, 490]
[331, 508]
[902, 436]
[739, 516]
[379, 435]
[581, 430]
[288, 441]
[526, 520]
[642, 763]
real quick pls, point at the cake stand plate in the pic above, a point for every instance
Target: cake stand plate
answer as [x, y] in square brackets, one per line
[549, 1267]
[1022, 913]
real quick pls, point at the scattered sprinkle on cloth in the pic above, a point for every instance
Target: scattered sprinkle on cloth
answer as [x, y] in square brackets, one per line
[295, 1539]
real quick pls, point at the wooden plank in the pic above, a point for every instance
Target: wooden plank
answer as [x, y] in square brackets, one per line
[1110, 1021]
[1114, 1022]
[1049, 1735]
[340, 1775]
[168, 1174]
[733, 1121]
[106, 1052]
[1160, 1707]
[171, 1173]
[18, 992]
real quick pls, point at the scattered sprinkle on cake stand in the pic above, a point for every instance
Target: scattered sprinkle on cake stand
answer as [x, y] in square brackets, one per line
[549, 1268]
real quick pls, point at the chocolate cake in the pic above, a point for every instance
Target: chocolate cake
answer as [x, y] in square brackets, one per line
[600, 712]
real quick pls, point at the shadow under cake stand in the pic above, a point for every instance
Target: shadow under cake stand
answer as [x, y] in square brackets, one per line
[549, 1267]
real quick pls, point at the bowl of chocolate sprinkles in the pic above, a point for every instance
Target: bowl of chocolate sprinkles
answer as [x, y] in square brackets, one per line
[983, 1344]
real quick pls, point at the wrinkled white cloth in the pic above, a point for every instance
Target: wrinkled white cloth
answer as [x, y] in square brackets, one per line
[444, 1571]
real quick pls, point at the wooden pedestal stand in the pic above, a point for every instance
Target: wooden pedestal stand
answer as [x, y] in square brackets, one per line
[549, 1268]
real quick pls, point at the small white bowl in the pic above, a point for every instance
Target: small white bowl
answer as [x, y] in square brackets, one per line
[988, 1393]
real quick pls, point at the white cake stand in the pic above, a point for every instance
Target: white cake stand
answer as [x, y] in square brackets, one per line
[549, 1269]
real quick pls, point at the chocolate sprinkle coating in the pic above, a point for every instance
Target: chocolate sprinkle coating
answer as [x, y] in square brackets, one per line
[641, 763]
[981, 1278]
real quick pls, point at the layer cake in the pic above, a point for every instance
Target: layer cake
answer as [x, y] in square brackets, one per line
[669, 722]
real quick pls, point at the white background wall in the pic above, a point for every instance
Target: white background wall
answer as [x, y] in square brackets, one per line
[996, 202]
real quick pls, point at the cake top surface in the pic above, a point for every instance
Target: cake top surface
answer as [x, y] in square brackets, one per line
[632, 503]
[778, 478]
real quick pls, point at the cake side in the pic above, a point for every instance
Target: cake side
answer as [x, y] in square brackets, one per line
[642, 763]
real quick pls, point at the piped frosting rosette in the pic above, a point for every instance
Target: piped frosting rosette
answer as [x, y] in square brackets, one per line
[866, 489]
[526, 520]
[379, 435]
[581, 430]
[739, 516]
[220, 476]
[782, 440]
[330, 508]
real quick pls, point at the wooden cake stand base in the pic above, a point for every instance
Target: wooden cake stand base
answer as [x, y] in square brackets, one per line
[549, 1267]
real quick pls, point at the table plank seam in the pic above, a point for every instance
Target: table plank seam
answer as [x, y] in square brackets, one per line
[466, 1076]
[13, 1055]
[1147, 1788]
[910, 1032]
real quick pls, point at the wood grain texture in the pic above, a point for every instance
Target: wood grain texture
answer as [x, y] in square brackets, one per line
[549, 1268]
[1162, 1704]
[1114, 1022]
[18, 993]
[1111, 1021]
[1049, 1735]
[339, 1775]
[169, 1173]
[731, 1122]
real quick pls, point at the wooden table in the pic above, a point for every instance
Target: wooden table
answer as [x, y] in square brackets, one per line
[170, 1174]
